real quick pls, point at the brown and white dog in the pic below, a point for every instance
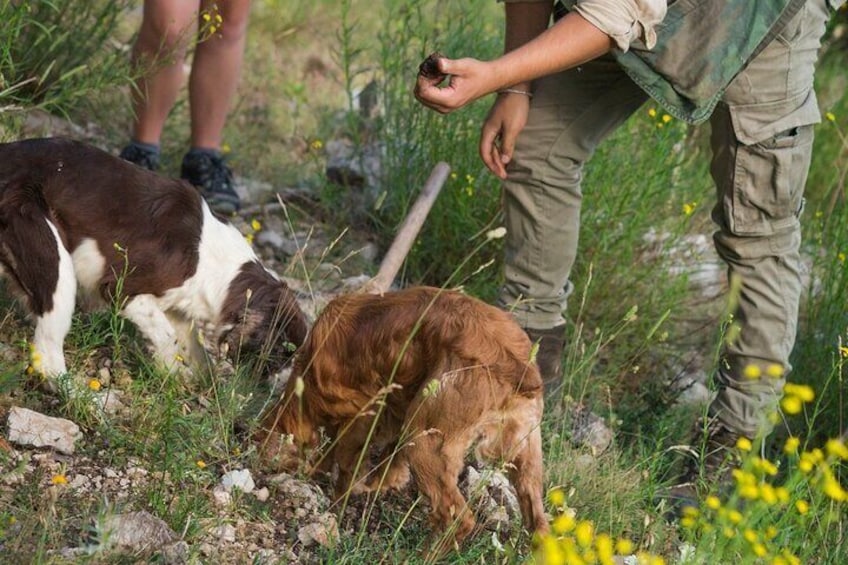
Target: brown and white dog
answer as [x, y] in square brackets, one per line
[424, 374]
[75, 218]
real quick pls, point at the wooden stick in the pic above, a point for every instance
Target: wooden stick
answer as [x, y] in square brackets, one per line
[407, 233]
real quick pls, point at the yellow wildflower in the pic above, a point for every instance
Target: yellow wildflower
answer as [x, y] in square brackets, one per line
[688, 522]
[744, 444]
[201, 463]
[791, 558]
[744, 478]
[803, 392]
[752, 372]
[206, 16]
[768, 494]
[603, 543]
[94, 384]
[713, 502]
[791, 446]
[317, 144]
[563, 524]
[556, 497]
[59, 479]
[830, 116]
[691, 512]
[750, 535]
[774, 370]
[689, 208]
[749, 492]
[840, 257]
[584, 533]
[624, 546]
[806, 463]
[837, 448]
[551, 553]
[735, 517]
[759, 550]
[833, 489]
[791, 404]
[802, 506]
[652, 112]
[666, 118]
[255, 225]
[765, 466]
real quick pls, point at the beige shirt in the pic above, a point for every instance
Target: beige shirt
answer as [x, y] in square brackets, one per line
[623, 20]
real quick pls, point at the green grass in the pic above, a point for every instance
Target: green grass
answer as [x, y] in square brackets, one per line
[629, 321]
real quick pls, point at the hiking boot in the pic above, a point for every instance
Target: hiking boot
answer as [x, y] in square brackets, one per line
[549, 355]
[713, 457]
[144, 155]
[207, 171]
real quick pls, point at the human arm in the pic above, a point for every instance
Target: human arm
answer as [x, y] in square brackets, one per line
[570, 42]
[508, 115]
[591, 29]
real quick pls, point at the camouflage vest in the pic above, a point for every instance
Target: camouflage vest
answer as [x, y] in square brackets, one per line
[701, 46]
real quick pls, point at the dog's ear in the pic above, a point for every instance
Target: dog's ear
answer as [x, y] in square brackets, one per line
[289, 320]
[271, 326]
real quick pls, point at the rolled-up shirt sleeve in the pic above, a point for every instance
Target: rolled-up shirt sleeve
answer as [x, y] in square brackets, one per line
[625, 21]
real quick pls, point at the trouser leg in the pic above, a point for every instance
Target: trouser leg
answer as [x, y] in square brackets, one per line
[762, 142]
[571, 112]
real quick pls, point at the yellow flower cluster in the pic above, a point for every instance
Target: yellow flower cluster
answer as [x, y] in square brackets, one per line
[256, 227]
[751, 534]
[794, 397]
[211, 22]
[575, 542]
[34, 366]
[753, 371]
[660, 119]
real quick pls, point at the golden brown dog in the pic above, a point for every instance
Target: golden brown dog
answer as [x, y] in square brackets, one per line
[423, 373]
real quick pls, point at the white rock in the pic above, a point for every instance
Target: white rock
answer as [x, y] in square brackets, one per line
[104, 375]
[79, 482]
[323, 532]
[221, 496]
[110, 401]
[27, 427]
[137, 531]
[240, 479]
[226, 533]
[262, 494]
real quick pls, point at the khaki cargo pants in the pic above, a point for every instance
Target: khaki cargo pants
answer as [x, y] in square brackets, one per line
[761, 141]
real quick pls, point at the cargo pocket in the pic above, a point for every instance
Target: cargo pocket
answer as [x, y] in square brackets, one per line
[769, 178]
